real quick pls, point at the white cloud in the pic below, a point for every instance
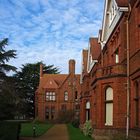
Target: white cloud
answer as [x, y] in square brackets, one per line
[49, 30]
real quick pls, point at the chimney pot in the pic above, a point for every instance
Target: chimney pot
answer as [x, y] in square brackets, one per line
[71, 66]
[41, 70]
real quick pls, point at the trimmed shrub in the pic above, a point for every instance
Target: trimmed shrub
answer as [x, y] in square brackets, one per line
[75, 123]
[87, 128]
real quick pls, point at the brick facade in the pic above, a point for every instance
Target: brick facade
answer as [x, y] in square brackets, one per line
[50, 96]
[103, 82]
[110, 71]
[134, 26]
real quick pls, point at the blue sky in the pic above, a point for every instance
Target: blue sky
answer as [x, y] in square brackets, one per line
[52, 31]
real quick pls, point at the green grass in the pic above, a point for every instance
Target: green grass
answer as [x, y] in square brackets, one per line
[76, 134]
[27, 129]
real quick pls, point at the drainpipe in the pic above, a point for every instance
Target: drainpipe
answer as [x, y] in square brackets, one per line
[128, 73]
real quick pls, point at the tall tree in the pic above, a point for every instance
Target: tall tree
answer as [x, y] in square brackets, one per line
[28, 81]
[5, 56]
[7, 94]
[8, 99]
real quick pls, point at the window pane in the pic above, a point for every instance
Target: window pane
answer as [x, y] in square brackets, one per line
[88, 114]
[52, 109]
[50, 98]
[53, 98]
[66, 96]
[76, 95]
[109, 114]
[47, 109]
[47, 98]
[117, 58]
[88, 105]
[109, 94]
[63, 107]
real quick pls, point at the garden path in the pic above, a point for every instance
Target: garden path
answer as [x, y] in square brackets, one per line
[57, 132]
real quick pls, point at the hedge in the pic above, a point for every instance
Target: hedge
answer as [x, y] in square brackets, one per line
[9, 130]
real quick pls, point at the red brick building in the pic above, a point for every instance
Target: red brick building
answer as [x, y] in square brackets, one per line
[106, 70]
[57, 92]
[134, 40]
[109, 88]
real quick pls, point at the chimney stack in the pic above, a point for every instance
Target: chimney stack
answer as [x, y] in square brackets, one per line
[71, 66]
[41, 70]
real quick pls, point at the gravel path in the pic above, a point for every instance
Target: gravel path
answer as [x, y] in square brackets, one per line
[57, 132]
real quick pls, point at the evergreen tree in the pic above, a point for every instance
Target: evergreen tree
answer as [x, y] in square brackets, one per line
[7, 90]
[27, 83]
[5, 56]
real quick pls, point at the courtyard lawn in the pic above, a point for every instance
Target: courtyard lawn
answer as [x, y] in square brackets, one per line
[76, 134]
[27, 129]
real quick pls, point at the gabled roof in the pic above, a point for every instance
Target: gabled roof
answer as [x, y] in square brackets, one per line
[95, 48]
[113, 11]
[94, 51]
[122, 3]
[52, 81]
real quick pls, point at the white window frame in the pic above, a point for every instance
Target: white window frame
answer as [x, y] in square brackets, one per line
[65, 96]
[50, 96]
[117, 56]
[109, 107]
[87, 110]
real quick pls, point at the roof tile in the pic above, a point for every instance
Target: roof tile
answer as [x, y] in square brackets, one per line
[52, 80]
[122, 3]
[95, 48]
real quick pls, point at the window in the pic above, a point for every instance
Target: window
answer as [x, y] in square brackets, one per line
[50, 96]
[47, 113]
[76, 95]
[77, 107]
[109, 106]
[63, 107]
[136, 104]
[52, 112]
[117, 56]
[88, 110]
[65, 96]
